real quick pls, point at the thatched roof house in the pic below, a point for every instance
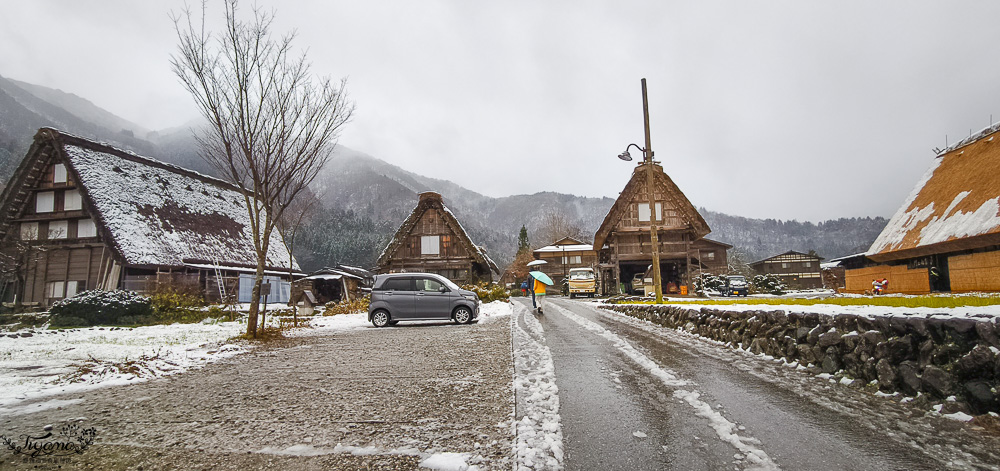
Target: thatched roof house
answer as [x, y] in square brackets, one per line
[623, 239]
[98, 217]
[432, 240]
[946, 235]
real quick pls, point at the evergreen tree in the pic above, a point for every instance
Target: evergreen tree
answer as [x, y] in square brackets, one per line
[522, 241]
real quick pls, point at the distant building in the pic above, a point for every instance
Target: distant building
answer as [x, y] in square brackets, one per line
[797, 270]
[432, 240]
[623, 240]
[78, 215]
[946, 235]
[565, 254]
[340, 283]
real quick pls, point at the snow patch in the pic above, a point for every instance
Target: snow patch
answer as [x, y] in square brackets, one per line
[538, 440]
[447, 462]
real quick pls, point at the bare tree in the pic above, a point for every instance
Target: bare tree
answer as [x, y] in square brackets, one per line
[19, 251]
[272, 124]
[556, 226]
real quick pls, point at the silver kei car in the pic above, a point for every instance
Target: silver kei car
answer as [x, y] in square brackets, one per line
[420, 297]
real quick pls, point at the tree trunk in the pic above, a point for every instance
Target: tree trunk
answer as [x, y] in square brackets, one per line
[255, 299]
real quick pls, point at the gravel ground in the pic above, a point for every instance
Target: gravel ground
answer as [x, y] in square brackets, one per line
[361, 399]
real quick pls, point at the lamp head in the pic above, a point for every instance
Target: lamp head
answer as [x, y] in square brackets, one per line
[625, 156]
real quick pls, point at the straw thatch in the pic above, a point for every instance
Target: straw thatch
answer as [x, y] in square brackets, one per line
[955, 207]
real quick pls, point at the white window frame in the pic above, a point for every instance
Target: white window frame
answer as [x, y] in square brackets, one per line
[430, 245]
[45, 202]
[72, 200]
[59, 173]
[71, 288]
[86, 228]
[809, 264]
[29, 231]
[784, 264]
[55, 289]
[644, 212]
[58, 229]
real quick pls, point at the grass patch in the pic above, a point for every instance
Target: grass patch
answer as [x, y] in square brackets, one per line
[931, 301]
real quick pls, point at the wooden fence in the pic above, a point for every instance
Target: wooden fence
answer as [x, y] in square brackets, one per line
[901, 279]
[975, 272]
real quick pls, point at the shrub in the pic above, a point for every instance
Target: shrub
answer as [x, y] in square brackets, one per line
[172, 305]
[347, 307]
[767, 284]
[488, 292]
[706, 281]
[101, 307]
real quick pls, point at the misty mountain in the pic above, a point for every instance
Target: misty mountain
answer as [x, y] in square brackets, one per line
[362, 200]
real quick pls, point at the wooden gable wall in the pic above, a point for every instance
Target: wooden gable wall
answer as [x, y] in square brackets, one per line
[49, 227]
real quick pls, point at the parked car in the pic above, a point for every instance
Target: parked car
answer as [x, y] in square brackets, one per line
[420, 297]
[582, 282]
[736, 285]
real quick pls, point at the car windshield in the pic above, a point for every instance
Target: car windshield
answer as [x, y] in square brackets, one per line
[737, 279]
[581, 275]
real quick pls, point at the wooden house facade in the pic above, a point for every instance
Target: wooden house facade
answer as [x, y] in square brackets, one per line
[946, 235]
[795, 269]
[432, 240]
[563, 255]
[333, 284]
[623, 240]
[79, 215]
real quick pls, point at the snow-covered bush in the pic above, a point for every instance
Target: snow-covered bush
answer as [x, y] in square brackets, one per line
[768, 283]
[102, 307]
[488, 292]
[708, 281]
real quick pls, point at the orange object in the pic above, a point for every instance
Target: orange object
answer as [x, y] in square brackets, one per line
[684, 290]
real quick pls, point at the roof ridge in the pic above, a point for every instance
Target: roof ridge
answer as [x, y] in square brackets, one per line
[72, 139]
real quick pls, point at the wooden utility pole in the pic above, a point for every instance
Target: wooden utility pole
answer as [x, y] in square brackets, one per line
[654, 239]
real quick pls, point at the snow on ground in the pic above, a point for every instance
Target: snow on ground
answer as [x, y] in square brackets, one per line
[757, 459]
[35, 367]
[41, 365]
[538, 434]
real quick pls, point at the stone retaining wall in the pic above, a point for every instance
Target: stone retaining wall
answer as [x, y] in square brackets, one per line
[938, 357]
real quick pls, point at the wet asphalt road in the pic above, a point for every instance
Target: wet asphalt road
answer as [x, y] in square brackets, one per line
[616, 415]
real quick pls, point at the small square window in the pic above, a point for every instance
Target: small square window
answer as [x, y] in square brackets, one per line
[59, 173]
[86, 228]
[29, 231]
[58, 229]
[430, 245]
[45, 202]
[73, 201]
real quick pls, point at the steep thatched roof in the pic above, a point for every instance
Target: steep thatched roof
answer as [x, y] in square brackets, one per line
[693, 220]
[150, 212]
[955, 206]
[431, 200]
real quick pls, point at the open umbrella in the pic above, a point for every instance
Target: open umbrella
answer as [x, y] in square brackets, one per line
[541, 277]
[536, 263]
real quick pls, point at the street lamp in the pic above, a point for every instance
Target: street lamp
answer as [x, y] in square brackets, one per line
[647, 160]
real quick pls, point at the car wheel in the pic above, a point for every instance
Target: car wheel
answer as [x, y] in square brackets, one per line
[463, 315]
[572, 296]
[380, 318]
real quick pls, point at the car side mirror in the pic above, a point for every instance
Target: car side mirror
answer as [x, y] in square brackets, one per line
[443, 289]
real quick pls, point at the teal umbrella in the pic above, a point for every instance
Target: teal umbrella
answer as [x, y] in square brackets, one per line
[541, 277]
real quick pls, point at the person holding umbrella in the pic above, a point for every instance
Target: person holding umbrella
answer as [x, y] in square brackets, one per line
[530, 282]
[541, 280]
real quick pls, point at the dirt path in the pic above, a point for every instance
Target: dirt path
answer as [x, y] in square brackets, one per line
[361, 399]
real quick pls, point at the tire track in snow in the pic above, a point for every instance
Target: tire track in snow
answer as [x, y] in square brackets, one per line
[757, 459]
[538, 440]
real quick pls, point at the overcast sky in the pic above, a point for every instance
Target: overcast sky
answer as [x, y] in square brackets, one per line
[787, 110]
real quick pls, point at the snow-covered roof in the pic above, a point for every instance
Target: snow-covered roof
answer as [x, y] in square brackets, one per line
[957, 200]
[327, 276]
[567, 248]
[160, 214]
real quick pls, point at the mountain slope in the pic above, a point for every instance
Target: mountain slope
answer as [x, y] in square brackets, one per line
[364, 199]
